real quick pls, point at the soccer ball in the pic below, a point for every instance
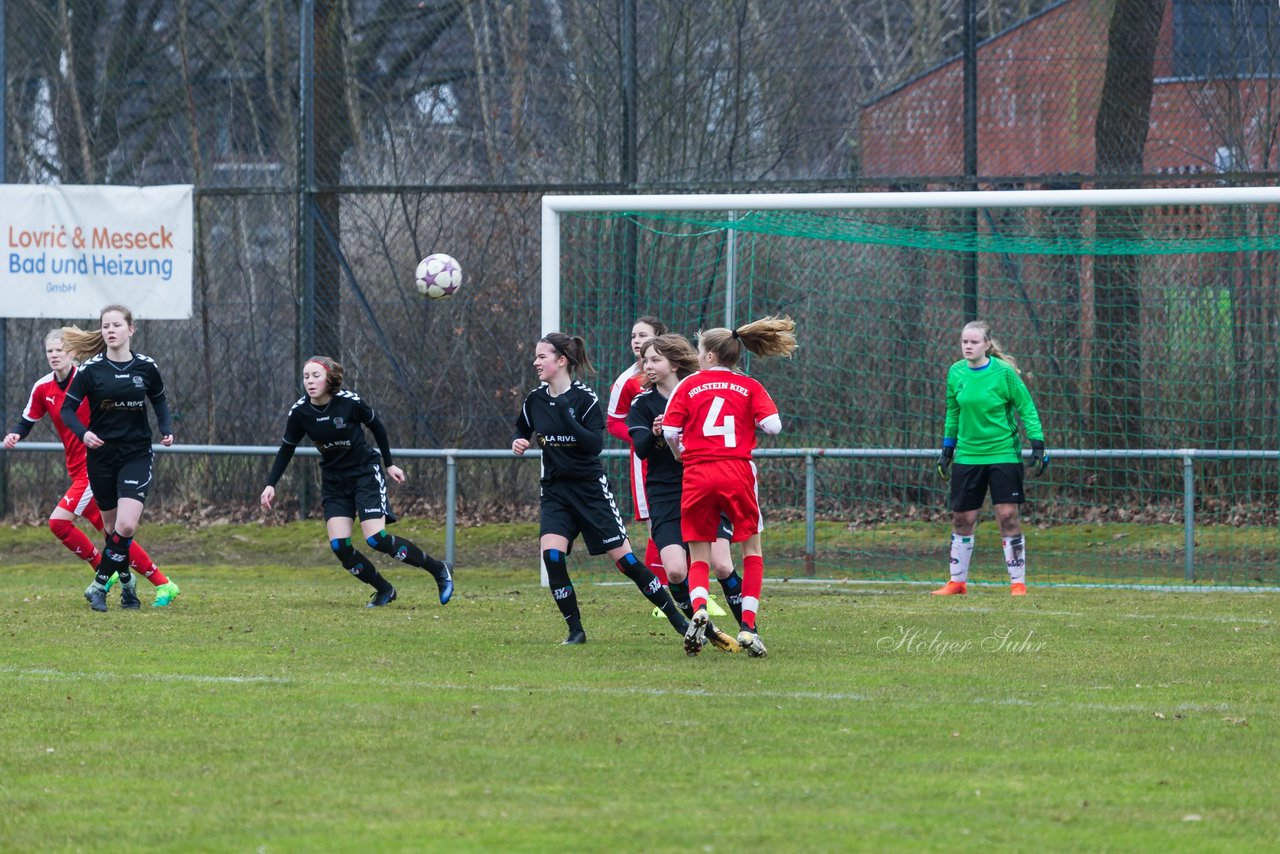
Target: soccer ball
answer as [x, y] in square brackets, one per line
[438, 276]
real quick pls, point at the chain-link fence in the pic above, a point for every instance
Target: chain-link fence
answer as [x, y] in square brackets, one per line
[358, 136]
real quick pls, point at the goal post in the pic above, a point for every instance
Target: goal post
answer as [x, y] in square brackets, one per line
[1145, 321]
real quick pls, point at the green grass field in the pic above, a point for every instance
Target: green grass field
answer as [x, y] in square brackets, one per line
[267, 710]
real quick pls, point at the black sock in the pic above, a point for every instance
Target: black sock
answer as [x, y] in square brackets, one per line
[358, 565]
[115, 558]
[653, 590]
[732, 587]
[405, 551]
[562, 588]
[680, 594]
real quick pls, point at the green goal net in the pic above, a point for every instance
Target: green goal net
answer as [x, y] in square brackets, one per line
[1148, 335]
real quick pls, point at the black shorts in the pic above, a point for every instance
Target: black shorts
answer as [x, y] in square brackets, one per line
[664, 523]
[970, 484]
[664, 519]
[586, 507]
[355, 492]
[119, 473]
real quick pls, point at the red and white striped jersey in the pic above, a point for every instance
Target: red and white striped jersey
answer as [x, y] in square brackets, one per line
[621, 393]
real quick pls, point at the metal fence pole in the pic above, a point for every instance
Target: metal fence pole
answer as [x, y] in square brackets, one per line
[810, 513]
[451, 507]
[1189, 517]
[306, 178]
[4, 322]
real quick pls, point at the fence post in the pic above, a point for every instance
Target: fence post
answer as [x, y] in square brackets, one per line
[451, 506]
[1189, 516]
[810, 512]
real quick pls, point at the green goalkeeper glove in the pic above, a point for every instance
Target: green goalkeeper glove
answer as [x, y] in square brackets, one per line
[944, 463]
[1039, 457]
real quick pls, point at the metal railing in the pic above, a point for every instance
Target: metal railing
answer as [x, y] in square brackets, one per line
[1187, 457]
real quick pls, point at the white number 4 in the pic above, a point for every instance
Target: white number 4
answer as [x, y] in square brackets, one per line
[724, 428]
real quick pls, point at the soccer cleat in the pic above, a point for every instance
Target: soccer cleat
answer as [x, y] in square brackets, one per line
[129, 596]
[714, 608]
[1017, 588]
[657, 614]
[695, 637]
[722, 641]
[575, 638]
[382, 597]
[750, 641]
[111, 582]
[97, 597]
[444, 581]
[165, 594]
[951, 588]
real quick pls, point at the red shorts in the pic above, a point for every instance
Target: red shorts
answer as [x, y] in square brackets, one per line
[78, 496]
[713, 488]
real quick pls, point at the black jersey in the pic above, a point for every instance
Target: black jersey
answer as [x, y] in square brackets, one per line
[662, 470]
[118, 393]
[570, 430]
[337, 432]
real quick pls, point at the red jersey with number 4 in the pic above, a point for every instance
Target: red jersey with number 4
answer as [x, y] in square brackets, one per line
[46, 399]
[717, 411]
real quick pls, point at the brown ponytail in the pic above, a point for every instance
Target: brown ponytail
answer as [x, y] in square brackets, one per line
[768, 336]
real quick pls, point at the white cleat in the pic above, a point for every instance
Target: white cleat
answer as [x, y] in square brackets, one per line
[750, 641]
[695, 637]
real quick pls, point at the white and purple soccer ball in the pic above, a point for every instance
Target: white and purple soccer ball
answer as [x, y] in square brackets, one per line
[438, 276]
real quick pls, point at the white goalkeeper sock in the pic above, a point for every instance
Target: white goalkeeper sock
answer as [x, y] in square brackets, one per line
[961, 552]
[1015, 558]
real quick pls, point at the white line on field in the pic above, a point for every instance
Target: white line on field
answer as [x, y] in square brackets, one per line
[1179, 619]
[1049, 585]
[591, 690]
[73, 675]
[1175, 619]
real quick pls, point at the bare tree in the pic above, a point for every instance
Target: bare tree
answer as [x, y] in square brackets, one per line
[1121, 138]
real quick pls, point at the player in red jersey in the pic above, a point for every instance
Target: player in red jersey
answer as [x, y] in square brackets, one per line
[667, 360]
[710, 423]
[624, 389]
[46, 399]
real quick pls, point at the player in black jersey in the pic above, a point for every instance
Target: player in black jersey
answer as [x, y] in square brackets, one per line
[352, 481]
[117, 383]
[665, 360]
[576, 499]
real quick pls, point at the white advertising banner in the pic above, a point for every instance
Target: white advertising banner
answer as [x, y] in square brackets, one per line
[70, 250]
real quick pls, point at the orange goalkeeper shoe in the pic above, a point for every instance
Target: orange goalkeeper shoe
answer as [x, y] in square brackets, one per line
[1017, 589]
[951, 588]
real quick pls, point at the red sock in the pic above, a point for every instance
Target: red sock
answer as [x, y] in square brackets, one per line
[142, 562]
[752, 581]
[74, 539]
[699, 578]
[653, 560]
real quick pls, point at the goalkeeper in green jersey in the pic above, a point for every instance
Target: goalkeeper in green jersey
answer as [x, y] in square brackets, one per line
[981, 452]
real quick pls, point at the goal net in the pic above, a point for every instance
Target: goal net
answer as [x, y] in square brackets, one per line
[1146, 325]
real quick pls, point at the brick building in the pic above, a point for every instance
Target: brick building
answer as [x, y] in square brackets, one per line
[1215, 105]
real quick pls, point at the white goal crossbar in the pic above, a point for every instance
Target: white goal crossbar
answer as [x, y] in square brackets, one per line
[553, 206]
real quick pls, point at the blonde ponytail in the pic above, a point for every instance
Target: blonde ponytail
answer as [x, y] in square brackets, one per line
[80, 344]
